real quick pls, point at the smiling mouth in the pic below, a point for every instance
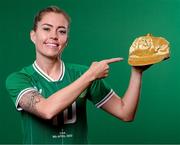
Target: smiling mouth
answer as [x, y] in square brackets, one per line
[52, 45]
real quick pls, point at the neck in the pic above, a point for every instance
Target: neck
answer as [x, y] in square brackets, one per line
[50, 66]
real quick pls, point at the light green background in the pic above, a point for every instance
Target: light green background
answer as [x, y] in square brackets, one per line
[102, 29]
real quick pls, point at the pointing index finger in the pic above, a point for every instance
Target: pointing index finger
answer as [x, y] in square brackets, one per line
[112, 60]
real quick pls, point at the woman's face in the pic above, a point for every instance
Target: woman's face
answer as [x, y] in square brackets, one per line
[51, 35]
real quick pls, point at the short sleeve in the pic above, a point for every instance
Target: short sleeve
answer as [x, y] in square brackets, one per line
[18, 84]
[99, 92]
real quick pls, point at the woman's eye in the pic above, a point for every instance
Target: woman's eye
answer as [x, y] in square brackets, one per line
[46, 29]
[62, 31]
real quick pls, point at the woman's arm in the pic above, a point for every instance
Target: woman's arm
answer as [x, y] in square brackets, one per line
[125, 108]
[57, 102]
[36, 104]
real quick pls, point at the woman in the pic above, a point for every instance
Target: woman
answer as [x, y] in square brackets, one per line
[52, 95]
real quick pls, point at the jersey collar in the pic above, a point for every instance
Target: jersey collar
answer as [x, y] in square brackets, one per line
[45, 76]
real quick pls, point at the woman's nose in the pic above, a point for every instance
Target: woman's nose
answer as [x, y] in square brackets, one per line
[54, 35]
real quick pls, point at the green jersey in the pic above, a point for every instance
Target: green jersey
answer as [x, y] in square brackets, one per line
[69, 126]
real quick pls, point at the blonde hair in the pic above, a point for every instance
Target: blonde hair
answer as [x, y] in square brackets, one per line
[49, 9]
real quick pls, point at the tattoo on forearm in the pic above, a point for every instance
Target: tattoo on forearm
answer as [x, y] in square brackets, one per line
[29, 100]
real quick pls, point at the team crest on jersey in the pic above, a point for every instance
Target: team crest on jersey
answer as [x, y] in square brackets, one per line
[83, 94]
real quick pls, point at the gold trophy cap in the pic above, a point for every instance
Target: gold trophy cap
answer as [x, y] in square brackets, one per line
[146, 50]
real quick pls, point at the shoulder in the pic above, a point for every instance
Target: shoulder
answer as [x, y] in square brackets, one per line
[24, 74]
[20, 81]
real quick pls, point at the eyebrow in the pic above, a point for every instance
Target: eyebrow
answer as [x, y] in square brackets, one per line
[52, 25]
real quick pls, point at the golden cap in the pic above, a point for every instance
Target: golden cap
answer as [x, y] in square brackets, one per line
[147, 50]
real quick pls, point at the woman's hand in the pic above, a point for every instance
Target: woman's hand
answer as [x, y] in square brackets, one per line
[140, 69]
[100, 69]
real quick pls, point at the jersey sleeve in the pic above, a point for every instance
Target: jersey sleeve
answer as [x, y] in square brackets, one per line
[17, 84]
[99, 92]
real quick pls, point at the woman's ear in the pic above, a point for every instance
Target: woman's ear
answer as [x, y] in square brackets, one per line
[67, 41]
[32, 36]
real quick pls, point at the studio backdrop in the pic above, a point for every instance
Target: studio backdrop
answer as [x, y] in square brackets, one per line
[102, 29]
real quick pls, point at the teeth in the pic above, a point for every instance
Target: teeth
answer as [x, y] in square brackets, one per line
[50, 44]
